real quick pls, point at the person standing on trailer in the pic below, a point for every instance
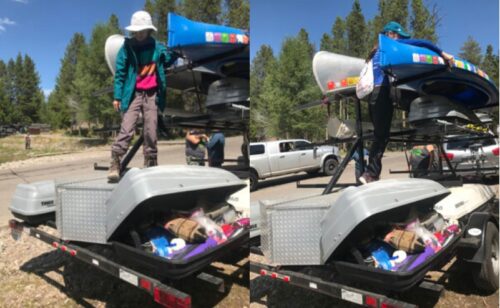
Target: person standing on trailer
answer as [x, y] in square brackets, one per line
[380, 104]
[139, 87]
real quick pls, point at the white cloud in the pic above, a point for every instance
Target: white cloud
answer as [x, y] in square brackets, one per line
[21, 1]
[6, 22]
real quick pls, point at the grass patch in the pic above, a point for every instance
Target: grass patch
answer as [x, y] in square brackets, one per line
[12, 147]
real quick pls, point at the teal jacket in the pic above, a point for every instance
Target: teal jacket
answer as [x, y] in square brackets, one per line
[126, 73]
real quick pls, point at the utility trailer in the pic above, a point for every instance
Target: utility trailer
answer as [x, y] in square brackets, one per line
[115, 218]
[321, 257]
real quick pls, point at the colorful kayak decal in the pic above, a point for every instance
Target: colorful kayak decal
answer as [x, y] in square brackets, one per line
[346, 82]
[462, 64]
[231, 38]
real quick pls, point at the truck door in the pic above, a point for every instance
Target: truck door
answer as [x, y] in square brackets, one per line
[306, 151]
[288, 159]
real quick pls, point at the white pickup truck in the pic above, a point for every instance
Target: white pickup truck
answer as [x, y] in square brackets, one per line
[274, 158]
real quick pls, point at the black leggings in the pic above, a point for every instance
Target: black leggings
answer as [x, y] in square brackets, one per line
[381, 110]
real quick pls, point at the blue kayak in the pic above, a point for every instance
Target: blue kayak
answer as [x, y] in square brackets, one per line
[198, 40]
[423, 72]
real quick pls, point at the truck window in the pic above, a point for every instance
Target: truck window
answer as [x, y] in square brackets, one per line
[257, 149]
[302, 145]
[286, 147]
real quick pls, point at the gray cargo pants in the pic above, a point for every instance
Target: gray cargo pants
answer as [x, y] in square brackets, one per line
[145, 102]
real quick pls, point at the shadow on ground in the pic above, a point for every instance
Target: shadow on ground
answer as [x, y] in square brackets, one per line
[284, 180]
[85, 284]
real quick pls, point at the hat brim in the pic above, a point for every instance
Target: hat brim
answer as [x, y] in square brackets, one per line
[135, 28]
[400, 33]
[404, 34]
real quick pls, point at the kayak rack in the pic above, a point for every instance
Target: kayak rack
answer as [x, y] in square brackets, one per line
[433, 131]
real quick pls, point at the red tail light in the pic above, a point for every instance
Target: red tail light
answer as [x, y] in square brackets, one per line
[167, 299]
[286, 279]
[274, 275]
[495, 151]
[145, 284]
[371, 301]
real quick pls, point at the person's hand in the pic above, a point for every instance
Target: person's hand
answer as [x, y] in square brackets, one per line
[116, 105]
[449, 59]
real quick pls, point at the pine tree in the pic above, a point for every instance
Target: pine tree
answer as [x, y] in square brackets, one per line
[471, 51]
[326, 42]
[159, 10]
[423, 23]
[9, 88]
[263, 63]
[31, 95]
[339, 41]
[205, 11]
[237, 14]
[91, 75]
[490, 64]
[5, 106]
[356, 31]
[397, 10]
[60, 113]
[289, 84]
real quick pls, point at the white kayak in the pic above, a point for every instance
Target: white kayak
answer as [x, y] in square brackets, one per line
[336, 73]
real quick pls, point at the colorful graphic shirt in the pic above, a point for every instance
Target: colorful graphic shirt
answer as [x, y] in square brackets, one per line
[146, 73]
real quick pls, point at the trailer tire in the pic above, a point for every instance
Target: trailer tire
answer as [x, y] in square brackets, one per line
[486, 276]
[254, 180]
[330, 166]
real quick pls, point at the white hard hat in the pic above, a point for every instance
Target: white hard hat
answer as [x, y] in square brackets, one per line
[141, 20]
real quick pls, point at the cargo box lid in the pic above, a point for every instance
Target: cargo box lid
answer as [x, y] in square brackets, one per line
[357, 204]
[173, 186]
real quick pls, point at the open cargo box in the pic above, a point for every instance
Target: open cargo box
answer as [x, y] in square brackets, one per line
[345, 220]
[155, 193]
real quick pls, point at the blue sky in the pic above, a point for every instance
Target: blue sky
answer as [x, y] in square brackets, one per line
[273, 20]
[43, 28]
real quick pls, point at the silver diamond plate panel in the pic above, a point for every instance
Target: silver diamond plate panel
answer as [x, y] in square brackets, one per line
[264, 230]
[291, 230]
[81, 210]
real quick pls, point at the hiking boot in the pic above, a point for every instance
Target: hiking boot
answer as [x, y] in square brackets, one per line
[150, 161]
[114, 169]
[367, 178]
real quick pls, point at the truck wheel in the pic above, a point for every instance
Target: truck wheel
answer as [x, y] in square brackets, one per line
[486, 277]
[329, 166]
[254, 180]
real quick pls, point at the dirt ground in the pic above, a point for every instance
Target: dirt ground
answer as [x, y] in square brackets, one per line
[33, 274]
